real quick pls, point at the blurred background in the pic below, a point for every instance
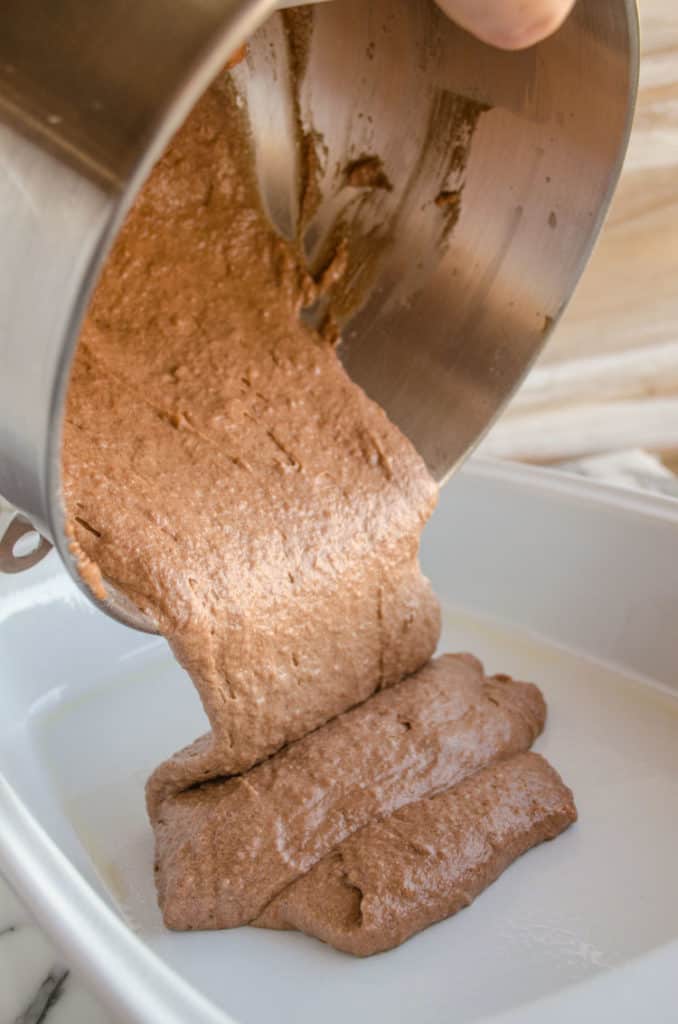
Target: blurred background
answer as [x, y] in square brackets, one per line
[608, 380]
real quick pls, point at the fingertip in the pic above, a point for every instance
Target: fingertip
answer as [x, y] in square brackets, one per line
[515, 35]
[509, 24]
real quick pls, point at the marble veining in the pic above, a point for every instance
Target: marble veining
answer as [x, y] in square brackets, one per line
[35, 986]
[45, 999]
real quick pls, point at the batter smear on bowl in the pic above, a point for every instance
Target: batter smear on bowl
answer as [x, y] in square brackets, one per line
[222, 471]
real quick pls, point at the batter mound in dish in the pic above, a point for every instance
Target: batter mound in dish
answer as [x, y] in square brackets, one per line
[419, 737]
[426, 861]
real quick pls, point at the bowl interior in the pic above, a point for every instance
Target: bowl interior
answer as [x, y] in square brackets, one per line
[468, 184]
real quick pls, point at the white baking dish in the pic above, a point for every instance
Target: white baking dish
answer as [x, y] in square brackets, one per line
[549, 578]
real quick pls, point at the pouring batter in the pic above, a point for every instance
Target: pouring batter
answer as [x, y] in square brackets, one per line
[222, 471]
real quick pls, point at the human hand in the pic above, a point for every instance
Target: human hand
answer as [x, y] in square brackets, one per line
[509, 24]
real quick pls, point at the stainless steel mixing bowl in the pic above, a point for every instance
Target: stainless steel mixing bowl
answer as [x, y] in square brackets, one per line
[447, 322]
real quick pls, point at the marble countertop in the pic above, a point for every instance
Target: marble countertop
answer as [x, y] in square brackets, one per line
[35, 985]
[627, 303]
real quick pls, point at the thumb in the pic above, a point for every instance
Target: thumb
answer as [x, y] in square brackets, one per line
[510, 24]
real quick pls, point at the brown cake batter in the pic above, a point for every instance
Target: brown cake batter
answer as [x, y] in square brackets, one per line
[426, 861]
[224, 473]
[227, 848]
[222, 470]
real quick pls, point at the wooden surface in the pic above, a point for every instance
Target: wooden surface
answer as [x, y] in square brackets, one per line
[609, 376]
